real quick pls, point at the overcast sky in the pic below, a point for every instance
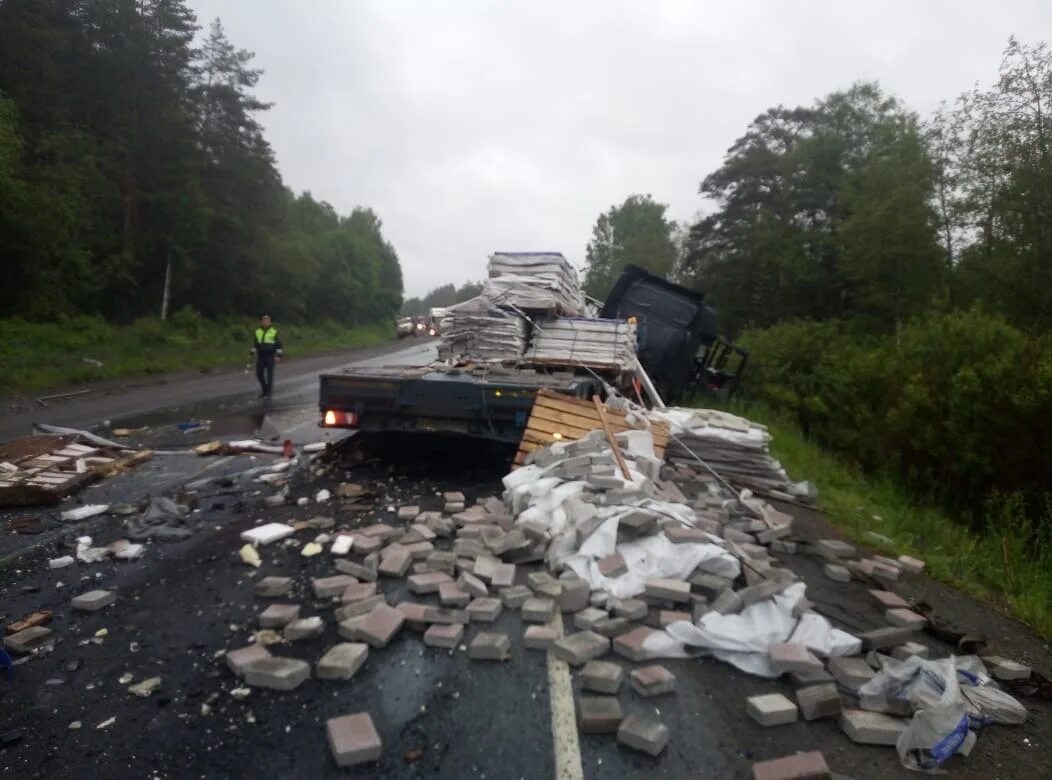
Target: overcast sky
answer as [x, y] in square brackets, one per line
[476, 126]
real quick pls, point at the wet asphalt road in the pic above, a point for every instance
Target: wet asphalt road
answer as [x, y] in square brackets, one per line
[439, 714]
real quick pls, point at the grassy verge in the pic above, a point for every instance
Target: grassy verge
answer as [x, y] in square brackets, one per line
[1010, 565]
[41, 355]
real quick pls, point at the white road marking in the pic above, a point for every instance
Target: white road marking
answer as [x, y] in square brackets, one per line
[564, 719]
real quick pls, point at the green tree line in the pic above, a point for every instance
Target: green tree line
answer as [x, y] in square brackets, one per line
[446, 295]
[135, 178]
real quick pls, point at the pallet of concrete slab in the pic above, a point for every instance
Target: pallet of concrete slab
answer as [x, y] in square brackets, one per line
[38, 470]
[602, 344]
[533, 281]
[559, 417]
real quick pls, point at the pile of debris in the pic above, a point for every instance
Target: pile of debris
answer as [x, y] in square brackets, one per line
[534, 281]
[592, 342]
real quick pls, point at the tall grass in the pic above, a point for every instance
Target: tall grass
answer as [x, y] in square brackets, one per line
[58, 354]
[1008, 563]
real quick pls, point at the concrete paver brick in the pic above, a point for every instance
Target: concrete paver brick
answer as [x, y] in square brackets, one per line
[850, 671]
[836, 572]
[515, 596]
[889, 600]
[793, 657]
[408, 512]
[327, 587]
[633, 609]
[360, 591]
[238, 659]
[93, 600]
[600, 714]
[484, 610]
[472, 584]
[1006, 669]
[630, 645]
[613, 565]
[488, 646]
[353, 739]
[709, 585]
[356, 608]
[444, 636]
[503, 575]
[588, 617]
[28, 639]
[377, 628]
[550, 590]
[537, 578]
[801, 766]
[451, 595]
[771, 709]
[818, 701]
[278, 615]
[871, 728]
[602, 677]
[575, 594]
[273, 587]
[667, 616]
[279, 674]
[670, 590]
[395, 563]
[835, 549]
[906, 618]
[890, 636]
[356, 570]
[910, 564]
[815, 677]
[419, 551]
[304, 628]
[728, 603]
[415, 615]
[428, 583]
[653, 680]
[540, 637]
[644, 733]
[342, 661]
[611, 627]
[580, 648]
[538, 610]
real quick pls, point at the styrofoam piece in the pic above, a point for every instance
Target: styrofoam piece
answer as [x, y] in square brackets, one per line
[266, 534]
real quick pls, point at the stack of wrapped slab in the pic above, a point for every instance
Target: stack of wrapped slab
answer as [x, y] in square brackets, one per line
[593, 342]
[479, 330]
[533, 281]
[735, 447]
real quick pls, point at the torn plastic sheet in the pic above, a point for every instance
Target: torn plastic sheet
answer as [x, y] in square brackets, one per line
[58, 430]
[744, 640]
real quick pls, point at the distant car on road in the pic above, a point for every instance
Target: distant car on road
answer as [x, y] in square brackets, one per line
[405, 326]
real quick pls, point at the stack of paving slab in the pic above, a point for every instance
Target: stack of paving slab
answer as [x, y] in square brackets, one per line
[736, 448]
[534, 281]
[481, 331]
[593, 342]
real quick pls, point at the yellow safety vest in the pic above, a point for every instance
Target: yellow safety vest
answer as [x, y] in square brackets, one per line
[266, 337]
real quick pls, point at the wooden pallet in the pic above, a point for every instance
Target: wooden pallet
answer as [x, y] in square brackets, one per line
[559, 417]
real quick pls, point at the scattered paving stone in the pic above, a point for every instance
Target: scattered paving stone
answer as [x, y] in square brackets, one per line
[771, 709]
[146, 688]
[538, 578]
[540, 637]
[574, 594]
[801, 766]
[503, 575]
[889, 600]
[633, 609]
[666, 617]
[880, 638]
[587, 618]
[850, 671]
[353, 739]
[600, 714]
[450, 595]
[602, 677]
[408, 512]
[93, 600]
[429, 582]
[709, 585]
[279, 674]
[279, 615]
[550, 590]
[871, 728]
[485, 610]
[911, 565]
[782, 546]
[357, 570]
[538, 610]
[304, 628]
[327, 587]
[613, 565]
[669, 590]
[815, 677]
[792, 657]
[837, 573]
[835, 549]
[342, 662]
[818, 701]
[728, 603]
[644, 733]
[909, 649]
[1005, 669]
[580, 648]
[906, 618]
[472, 585]
[444, 636]
[489, 647]
[238, 659]
[266, 534]
[515, 596]
[611, 627]
[28, 640]
[357, 608]
[630, 645]
[377, 628]
[273, 587]
[341, 545]
[395, 563]
[653, 680]
[360, 591]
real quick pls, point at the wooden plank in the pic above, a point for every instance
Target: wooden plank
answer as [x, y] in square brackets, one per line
[610, 437]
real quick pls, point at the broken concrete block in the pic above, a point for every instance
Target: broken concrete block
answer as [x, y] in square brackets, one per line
[871, 728]
[837, 573]
[850, 671]
[1005, 669]
[880, 638]
[395, 562]
[376, 629]
[93, 600]
[818, 701]
[428, 583]
[515, 596]
[273, 587]
[633, 609]
[342, 662]
[911, 565]
[278, 615]
[279, 674]
[304, 628]
[587, 618]
[799, 766]
[538, 610]
[450, 595]
[669, 590]
[574, 595]
[238, 659]
[602, 677]
[791, 657]
[444, 636]
[327, 587]
[484, 610]
[357, 608]
[771, 709]
[580, 648]
[653, 680]
[540, 637]
[612, 565]
[600, 714]
[473, 585]
[630, 645]
[835, 549]
[360, 591]
[489, 647]
[353, 739]
[906, 618]
[644, 733]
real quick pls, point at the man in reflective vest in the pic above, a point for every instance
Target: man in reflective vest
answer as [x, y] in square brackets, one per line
[267, 349]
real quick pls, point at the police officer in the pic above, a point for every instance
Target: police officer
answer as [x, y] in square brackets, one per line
[267, 349]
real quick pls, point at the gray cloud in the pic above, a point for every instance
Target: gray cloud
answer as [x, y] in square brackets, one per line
[474, 126]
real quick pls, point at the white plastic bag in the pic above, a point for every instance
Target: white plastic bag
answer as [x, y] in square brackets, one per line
[939, 731]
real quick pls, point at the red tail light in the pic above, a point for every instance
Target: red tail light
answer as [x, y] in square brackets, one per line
[335, 419]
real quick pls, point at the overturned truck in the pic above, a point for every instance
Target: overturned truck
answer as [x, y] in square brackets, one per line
[532, 329]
